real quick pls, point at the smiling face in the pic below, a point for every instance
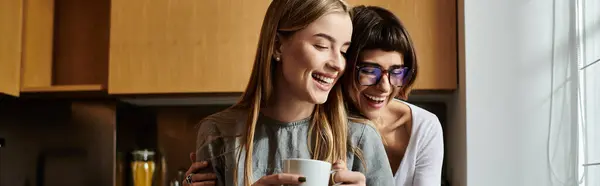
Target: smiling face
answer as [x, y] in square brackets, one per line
[371, 99]
[312, 59]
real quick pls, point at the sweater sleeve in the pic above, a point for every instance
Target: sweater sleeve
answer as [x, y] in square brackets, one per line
[377, 170]
[208, 144]
[428, 168]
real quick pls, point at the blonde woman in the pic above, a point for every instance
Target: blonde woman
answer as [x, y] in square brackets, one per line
[292, 107]
[382, 65]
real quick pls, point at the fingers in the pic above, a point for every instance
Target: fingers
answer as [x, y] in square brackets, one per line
[203, 177]
[346, 177]
[200, 179]
[193, 157]
[204, 183]
[278, 179]
[349, 177]
[196, 166]
[340, 165]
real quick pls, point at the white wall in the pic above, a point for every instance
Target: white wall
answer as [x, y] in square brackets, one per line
[511, 105]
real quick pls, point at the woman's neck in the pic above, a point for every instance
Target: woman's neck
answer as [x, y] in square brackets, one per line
[392, 117]
[288, 110]
[285, 107]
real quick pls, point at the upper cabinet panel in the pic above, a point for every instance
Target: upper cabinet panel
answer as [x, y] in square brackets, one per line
[11, 13]
[186, 46]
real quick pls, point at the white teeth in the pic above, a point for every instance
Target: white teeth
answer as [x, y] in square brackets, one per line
[374, 98]
[323, 78]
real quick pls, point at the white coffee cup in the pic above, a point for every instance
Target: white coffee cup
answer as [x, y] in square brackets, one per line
[317, 172]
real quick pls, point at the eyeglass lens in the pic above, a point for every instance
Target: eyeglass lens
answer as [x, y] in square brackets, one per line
[371, 75]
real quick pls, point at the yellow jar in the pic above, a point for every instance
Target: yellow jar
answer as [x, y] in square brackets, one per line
[143, 167]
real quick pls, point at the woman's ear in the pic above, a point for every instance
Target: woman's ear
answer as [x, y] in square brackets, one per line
[278, 47]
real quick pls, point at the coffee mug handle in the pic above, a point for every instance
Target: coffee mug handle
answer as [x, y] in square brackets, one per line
[332, 173]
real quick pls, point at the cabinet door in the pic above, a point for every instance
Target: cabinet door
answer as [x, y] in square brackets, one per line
[11, 13]
[185, 46]
[432, 25]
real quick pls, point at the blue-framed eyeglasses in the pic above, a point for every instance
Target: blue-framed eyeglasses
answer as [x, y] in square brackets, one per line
[371, 75]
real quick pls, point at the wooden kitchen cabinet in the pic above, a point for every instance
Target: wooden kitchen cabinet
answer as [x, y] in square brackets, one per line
[53, 46]
[189, 46]
[186, 46]
[65, 45]
[10, 46]
[432, 25]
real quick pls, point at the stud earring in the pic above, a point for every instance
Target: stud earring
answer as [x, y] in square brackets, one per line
[277, 58]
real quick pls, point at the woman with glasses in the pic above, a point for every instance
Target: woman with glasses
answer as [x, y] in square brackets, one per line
[292, 108]
[382, 66]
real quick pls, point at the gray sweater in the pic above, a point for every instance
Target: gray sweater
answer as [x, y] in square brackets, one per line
[219, 142]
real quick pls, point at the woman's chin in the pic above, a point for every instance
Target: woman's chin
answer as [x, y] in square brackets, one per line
[369, 112]
[320, 99]
[319, 96]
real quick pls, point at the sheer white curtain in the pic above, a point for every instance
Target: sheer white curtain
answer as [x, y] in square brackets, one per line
[562, 140]
[574, 128]
[588, 27]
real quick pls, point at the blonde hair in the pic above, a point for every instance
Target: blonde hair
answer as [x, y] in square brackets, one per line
[329, 124]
